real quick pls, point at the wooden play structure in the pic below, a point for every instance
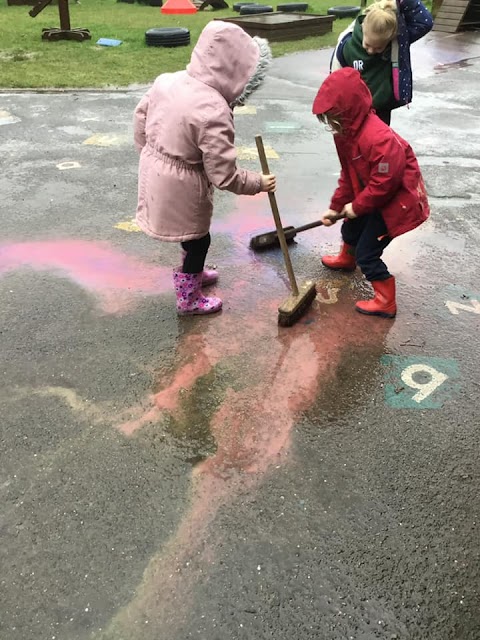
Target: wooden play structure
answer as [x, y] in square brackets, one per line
[279, 26]
[457, 15]
[65, 32]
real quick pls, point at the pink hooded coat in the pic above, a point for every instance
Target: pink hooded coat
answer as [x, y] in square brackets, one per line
[184, 131]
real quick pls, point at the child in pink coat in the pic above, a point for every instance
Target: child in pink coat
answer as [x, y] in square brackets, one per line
[184, 131]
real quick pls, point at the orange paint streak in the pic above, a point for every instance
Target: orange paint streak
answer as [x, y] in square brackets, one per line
[252, 427]
[129, 428]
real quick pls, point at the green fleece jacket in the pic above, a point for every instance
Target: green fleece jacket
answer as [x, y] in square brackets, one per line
[375, 70]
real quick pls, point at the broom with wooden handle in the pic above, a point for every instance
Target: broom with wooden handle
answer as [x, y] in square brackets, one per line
[270, 239]
[301, 298]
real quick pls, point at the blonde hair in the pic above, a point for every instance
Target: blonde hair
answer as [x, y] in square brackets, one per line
[381, 20]
[332, 121]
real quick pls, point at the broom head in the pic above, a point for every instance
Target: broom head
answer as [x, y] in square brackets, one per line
[294, 307]
[270, 239]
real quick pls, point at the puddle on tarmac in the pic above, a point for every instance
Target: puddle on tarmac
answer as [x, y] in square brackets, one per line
[234, 397]
[447, 66]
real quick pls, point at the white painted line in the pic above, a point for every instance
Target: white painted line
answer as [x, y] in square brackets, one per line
[64, 166]
[7, 118]
[454, 307]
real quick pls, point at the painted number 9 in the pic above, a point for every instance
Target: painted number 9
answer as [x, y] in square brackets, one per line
[424, 379]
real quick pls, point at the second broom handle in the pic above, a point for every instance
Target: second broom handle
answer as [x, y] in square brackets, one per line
[317, 223]
[276, 217]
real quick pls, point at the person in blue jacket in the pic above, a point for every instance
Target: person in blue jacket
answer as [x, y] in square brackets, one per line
[377, 44]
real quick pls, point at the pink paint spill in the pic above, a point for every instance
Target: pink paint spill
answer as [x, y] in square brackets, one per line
[252, 427]
[116, 280]
[252, 216]
[281, 374]
[249, 213]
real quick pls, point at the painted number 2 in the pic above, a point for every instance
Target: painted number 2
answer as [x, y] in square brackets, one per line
[424, 378]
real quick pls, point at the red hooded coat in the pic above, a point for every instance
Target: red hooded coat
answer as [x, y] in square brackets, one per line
[379, 169]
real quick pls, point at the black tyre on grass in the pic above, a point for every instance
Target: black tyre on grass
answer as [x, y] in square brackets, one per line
[238, 5]
[346, 11]
[167, 37]
[292, 7]
[254, 9]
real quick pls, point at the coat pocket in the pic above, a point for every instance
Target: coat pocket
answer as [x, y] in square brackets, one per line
[203, 209]
[359, 170]
[205, 191]
[408, 209]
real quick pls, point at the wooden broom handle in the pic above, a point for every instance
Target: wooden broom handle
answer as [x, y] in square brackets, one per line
[276, 217]
[317, 223]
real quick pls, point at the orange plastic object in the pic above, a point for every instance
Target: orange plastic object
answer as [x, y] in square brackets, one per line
[179, 6]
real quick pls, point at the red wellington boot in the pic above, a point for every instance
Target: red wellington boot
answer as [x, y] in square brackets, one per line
[344, 261]
[383, 304]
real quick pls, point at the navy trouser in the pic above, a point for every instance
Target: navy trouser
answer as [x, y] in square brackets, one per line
[196, 252]
[369, 235]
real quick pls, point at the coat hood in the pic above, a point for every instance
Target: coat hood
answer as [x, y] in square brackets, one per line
[227, 59]
[347, 96]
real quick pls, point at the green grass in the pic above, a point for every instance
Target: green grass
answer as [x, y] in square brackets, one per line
[26, 61]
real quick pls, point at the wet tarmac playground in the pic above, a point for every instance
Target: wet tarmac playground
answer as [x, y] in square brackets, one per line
[172, 478]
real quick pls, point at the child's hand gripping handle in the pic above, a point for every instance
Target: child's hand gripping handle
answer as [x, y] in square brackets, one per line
[330, 217]
[276, 217]
[317, 223]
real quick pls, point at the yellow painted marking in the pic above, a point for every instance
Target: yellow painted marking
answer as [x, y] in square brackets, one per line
[74, 401]
[128, 225]
[332, 295]
[250, 153]
[107, 139]
[71, 398]
[327, 291]
[246, 110]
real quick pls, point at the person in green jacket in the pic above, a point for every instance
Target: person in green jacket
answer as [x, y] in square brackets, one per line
[377, 44]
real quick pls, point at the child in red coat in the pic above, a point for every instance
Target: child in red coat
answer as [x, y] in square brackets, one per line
[380, 189]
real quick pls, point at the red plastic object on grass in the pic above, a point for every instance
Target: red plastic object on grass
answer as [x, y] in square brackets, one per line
[179, 6]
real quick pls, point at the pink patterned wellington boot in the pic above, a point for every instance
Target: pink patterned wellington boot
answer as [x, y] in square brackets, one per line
[190, 299]
[209, 275]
